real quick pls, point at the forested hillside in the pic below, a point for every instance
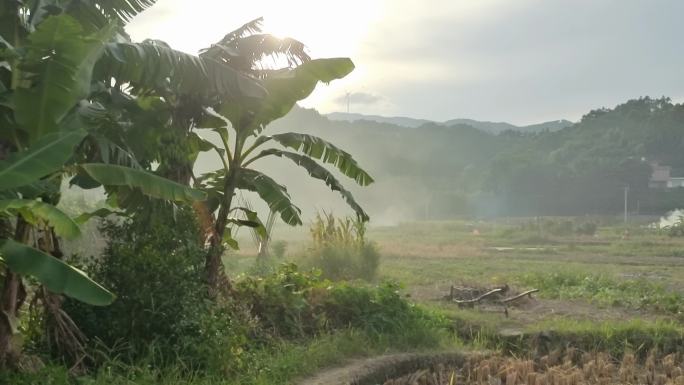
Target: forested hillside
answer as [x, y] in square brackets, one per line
[491, 127]
[436, 171]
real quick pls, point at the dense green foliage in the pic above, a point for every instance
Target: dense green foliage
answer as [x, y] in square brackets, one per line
[584, 169]
[166, 320]
[156, 265]
[291, 304]
[163, 312]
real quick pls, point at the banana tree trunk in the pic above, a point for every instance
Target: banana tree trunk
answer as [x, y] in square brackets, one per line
[213, 264]
[11, 299]
[61, 330]
[10, 311]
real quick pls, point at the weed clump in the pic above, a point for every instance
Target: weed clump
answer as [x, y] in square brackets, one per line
[340, 249]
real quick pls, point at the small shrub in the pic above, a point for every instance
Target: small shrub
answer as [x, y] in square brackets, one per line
[586, 228]
[340, 250]
[279, 248]
[677, 228]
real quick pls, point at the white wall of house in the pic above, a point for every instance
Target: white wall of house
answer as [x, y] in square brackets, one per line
[675, 182]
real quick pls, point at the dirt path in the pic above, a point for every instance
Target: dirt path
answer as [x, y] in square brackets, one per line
[374, 370]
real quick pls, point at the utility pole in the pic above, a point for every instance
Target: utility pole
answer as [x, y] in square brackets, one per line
[626, 193]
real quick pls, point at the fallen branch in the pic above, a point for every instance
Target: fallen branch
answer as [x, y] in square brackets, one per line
[480, 298]
[528, 293]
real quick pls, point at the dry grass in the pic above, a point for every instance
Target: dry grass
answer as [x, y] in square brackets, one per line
[571, 368]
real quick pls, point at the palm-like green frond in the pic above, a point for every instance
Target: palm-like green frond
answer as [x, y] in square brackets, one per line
[246, 48]
[149, 184]
[319, 148]
[287, 87]
[154, 65]
[319, 172]
[44, 157]
[249, 28]
[274, 194]
[98, 13]
[54, 274]
[57, 70]
[32, 210]
[124, 10]
[249, 53]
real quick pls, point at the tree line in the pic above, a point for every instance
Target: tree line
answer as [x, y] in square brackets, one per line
[439, 172]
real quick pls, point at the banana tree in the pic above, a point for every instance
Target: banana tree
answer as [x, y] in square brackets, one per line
[241, 125]
[66, 71]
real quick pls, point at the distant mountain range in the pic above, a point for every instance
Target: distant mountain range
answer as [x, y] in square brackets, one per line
[491, 127]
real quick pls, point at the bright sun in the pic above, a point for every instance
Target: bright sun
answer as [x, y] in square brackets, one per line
[326, 30]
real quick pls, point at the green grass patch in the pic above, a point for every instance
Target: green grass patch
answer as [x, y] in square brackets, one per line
[603, 289]
[616, 338]
[278, 364]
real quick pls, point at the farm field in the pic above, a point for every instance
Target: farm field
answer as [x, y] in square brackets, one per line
[619, 280]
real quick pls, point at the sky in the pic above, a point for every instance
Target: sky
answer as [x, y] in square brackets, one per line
[519, 61]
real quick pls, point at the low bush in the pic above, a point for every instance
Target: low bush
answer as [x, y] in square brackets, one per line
[677, 228]
[293, 304]
[278, 249]
[340, 250]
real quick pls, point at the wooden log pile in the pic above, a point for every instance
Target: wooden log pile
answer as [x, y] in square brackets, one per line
[469, 297]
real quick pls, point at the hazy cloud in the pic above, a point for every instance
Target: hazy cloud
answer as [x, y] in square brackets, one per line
[524, 61]
[521, 61]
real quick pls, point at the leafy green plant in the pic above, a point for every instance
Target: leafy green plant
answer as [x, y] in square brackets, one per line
[240, 127]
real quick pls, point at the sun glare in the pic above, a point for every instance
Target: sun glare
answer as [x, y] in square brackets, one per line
[326, 31]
